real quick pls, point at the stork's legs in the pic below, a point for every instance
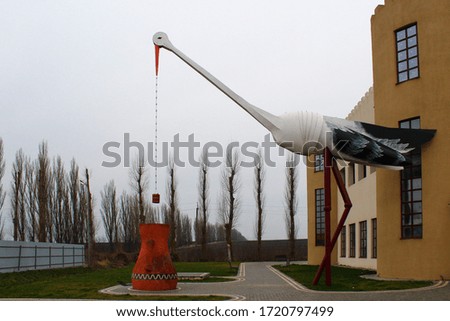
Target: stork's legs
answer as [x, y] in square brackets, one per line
[329, 163]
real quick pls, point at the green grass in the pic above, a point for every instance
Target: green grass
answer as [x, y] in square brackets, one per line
[345, 279]
[84, 283]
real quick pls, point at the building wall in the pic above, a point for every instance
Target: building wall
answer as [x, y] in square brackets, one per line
[362, 193]
[429, 98]
[315, 181]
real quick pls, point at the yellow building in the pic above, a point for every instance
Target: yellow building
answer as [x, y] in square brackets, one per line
[402, 230]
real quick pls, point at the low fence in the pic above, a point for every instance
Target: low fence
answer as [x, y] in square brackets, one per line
[246, 251]
[18, 256]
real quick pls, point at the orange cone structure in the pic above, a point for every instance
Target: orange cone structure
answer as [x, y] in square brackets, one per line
[154, 270]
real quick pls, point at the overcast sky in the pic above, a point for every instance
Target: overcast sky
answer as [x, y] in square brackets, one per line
[79, 74]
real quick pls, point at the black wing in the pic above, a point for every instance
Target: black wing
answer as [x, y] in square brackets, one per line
[413, 137]
[362, 149]
[376, 145]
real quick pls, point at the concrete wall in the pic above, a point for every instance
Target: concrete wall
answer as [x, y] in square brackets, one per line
[245, 251]
[22, 256]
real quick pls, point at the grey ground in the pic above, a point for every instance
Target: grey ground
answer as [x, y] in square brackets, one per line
[258, 281]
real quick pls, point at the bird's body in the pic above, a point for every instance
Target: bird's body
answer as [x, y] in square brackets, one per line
[307, 133]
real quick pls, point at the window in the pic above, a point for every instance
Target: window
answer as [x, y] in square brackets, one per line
[320, 217]
[363, 239]
[318, 163]
[344, 241]
[342, 171]
[362, 172]
[352, 240]
[351, 174]
[407, 53]
[374, 238]
[411, 190]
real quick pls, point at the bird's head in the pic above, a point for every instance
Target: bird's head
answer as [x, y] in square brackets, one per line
[161, 39]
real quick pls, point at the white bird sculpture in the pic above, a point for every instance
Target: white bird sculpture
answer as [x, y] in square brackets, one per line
[305, 133]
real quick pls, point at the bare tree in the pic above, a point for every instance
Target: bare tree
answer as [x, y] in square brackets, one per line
[172, 207]
[203, 190]
[151, 213]
[90, 224]
[291, 201]
[86, 214]
[2, 192]
[76, 228]
[139, 183]
[60, 201]
[31, 199]
[259, 196]
[185, 230]
[110, 213]
[129, 218]
[229, 205]
[43, 180]
[17, 197]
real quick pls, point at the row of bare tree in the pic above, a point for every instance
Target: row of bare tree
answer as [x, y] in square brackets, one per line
[50, 204]
[47, 203]
[122, 215]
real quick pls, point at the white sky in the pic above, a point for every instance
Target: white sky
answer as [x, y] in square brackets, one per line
[81, 73]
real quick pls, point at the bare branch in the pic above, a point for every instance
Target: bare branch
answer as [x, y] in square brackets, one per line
[109, 212]
[139, 182]
[259, 172]
[43, 180]
[229, 204]
[172, 206]
[291, 201]
[203, 191]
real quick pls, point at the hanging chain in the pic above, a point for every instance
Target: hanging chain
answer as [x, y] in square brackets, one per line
[156, 133]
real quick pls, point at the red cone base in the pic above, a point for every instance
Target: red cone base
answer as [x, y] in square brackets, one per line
[154, 270]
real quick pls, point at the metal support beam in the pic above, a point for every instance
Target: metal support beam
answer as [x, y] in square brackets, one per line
[329, 163]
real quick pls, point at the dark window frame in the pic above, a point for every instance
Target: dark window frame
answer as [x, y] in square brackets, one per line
[374, 238]
[344, 241]
[363, 239]
[352, 174]
[407, 53]
[320, 216]
[411, 211]
[352, 232]
[318, 163]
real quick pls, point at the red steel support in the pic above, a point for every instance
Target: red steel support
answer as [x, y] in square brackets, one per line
[329, 163]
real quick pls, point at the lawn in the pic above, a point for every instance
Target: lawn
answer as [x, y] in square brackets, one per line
[345, 279]
[84, 283]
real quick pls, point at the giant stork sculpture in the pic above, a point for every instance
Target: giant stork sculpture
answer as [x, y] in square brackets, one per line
[307, 133]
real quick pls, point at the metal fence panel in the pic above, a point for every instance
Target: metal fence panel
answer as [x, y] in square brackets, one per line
[18, 256]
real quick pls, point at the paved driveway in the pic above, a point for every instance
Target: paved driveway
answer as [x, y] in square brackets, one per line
[258, 281]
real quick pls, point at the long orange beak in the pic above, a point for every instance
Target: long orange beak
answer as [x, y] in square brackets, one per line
[156, 59]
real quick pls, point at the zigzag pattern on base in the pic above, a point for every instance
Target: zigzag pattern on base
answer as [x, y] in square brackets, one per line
[154, 277]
